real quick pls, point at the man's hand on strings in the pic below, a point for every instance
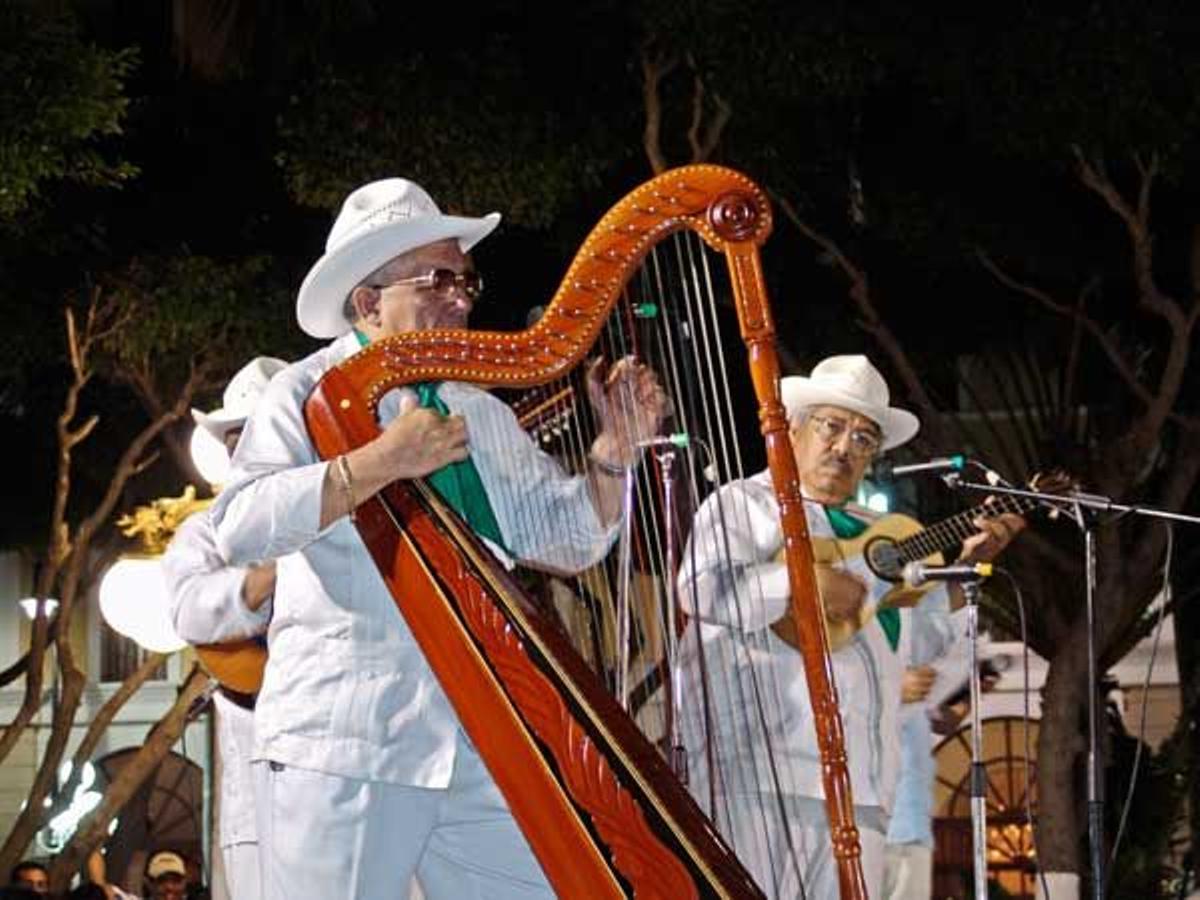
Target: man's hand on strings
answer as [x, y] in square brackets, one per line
[414, 444]
[916, 683]
[258, 585]
[842, 594]
[995, 533]
[420, 441]
[630, 406]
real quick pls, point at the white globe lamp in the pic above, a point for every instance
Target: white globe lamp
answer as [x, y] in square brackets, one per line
[133, 601]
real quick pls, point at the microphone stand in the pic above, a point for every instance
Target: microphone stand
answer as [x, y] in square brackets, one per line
[970, 591]
[1077, 502]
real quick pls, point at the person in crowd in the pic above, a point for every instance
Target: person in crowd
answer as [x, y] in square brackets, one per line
[210, 602]
[31, 875]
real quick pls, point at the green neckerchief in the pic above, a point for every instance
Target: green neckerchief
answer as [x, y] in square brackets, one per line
[846, 526]
[459, 482]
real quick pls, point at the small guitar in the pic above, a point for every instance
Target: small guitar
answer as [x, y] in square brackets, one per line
[238, 665]
[895, 540]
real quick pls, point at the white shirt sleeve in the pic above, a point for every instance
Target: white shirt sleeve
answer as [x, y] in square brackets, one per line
[272, 505]
[204, 595]
[729, 575]
[545, 515]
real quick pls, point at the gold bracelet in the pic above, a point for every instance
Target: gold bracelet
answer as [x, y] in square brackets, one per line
[343, 468]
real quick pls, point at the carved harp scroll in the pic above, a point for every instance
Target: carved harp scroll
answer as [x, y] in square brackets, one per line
[602, 810]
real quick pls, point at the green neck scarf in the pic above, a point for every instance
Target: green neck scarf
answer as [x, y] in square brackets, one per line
[458, 483]
[846, 526]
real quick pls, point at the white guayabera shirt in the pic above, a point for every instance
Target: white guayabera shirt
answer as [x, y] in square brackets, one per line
[347, 690]
[759, 713]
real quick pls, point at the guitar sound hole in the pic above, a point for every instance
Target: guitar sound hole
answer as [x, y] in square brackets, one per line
[884, 559]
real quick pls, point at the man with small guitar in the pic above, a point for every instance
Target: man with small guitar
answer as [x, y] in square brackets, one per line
[211, 602]
[735, 582]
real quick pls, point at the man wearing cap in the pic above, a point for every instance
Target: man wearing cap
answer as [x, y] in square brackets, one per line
[209, 602]
[362, 775]
[166, 876]
[734, 580]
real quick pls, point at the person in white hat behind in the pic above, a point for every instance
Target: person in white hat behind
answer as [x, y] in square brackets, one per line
[734, 581]
[362, 774]
[210, 601]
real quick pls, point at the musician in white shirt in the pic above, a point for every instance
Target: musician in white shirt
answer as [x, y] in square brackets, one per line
[363, 776]
[210, 601]
[749, 731]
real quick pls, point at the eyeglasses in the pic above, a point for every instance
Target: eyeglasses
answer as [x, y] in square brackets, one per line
[442, 281]
[863, 443]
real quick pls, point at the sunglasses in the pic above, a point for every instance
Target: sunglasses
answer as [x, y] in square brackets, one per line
[863, 444]
[442, 281]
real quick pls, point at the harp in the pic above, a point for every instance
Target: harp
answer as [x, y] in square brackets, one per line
[580, 726]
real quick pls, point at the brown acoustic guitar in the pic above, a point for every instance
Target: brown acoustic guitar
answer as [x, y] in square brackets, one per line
[237, 665]
[895, 540]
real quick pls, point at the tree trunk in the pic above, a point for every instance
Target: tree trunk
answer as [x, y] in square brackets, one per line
[1061, 744]
[1187, 656]
[93, 830]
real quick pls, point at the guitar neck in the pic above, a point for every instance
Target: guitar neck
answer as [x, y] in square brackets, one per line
[954, 530]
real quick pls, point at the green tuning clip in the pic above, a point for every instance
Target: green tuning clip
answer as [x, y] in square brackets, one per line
[646, 310]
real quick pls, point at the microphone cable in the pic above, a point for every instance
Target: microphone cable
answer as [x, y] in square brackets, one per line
[1033, 825]
[1167, 596]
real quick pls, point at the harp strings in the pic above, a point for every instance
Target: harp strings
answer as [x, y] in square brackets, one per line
[707, 704]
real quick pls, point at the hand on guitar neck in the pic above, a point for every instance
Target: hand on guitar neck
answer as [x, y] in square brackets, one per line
[982, 533]
[995, 533]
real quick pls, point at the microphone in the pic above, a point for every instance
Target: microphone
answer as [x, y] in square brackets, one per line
[679, 439]
[885, 470]
[916, 574]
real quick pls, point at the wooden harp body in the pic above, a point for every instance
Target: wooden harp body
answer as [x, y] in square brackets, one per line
[602, 808]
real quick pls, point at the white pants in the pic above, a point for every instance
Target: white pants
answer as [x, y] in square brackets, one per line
[762, 843]
[241, 871]
[908, 872]
[332, 837]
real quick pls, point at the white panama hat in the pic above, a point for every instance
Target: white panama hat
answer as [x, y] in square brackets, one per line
[241, 394]
[378, 222]
[852, 383]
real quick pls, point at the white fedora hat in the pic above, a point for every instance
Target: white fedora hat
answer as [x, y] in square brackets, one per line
[241, 394]
[378, 222]
[852, 383]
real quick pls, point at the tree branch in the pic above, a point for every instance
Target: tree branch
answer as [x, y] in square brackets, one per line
[1137, 224]
[704, 145]
[859, 292]
[1093, 328]
[105, 715]
[93, 830]
[655, 67]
